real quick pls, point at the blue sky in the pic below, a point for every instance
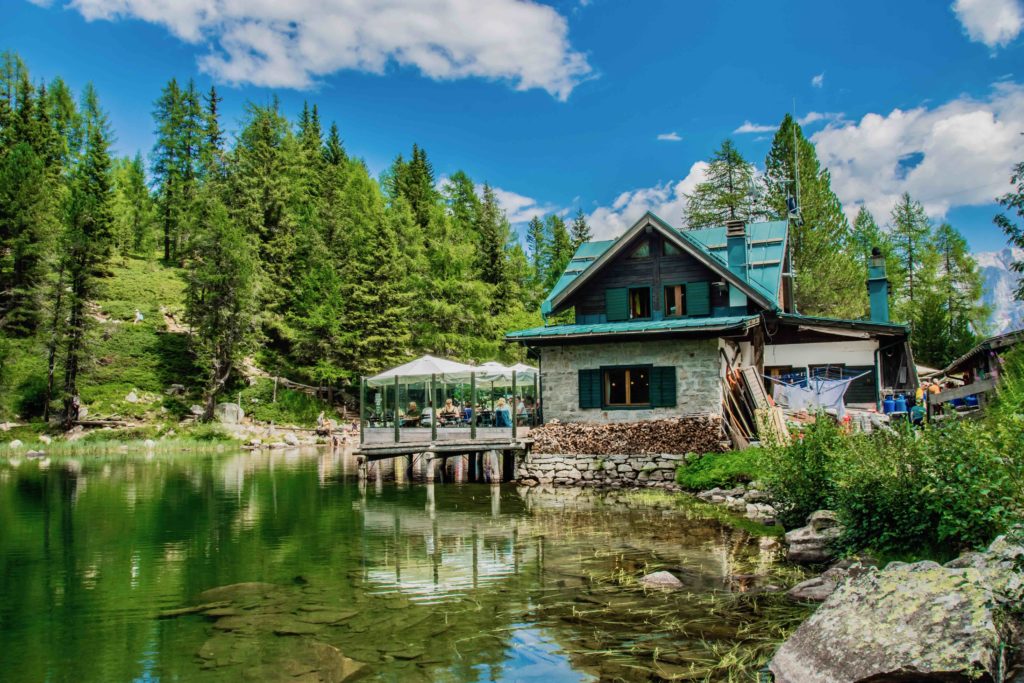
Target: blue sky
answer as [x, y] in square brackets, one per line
[562, 104]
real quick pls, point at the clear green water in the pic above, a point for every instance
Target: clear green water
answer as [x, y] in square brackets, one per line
[409, 581]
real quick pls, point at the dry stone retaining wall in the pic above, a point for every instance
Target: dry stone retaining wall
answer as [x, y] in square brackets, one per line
[601, 470]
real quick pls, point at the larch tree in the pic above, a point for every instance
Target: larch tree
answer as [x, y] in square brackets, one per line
[86, 239]
[960, 285]
[729, 191]
[1013, 203]
[559, 249]
[222, 280]
[829, 275]
[580, 231]
[910, 232]
[132, 207]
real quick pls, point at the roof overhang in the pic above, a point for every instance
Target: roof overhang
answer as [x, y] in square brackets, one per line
[841, 327]
[650, 220]
[568, 334]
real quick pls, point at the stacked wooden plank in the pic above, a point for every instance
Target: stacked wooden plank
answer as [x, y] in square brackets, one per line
[673, 435]
[749, 414]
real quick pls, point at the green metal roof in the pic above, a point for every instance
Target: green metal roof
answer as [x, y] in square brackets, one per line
[767, 248]
[635, 327]
[843, 322]
[764, 273]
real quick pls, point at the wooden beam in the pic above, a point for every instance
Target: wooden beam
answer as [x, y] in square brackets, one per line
[472, 405]
[980, 387]
[433, 412]
[362, 409]
[398, 435]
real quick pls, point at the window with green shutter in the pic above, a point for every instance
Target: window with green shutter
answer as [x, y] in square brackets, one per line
[663, 387]
[616, 304]
[590, 388]
[698, 298]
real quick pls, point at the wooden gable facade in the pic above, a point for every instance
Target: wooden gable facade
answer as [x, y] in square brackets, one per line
[651, 278]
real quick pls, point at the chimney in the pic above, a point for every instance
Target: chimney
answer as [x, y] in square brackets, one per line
[878, 287]
[736, 247]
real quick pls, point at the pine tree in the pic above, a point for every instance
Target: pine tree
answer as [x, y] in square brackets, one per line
[960, 285]
[1013, 201]
[221, 296]
[910, 232]
[559, 251]
[580, 231]
[463, 203]
[495, 233]
[24, 238]
[262, 195]
[727, 193]
[86, 238]
[334, 149]
[211, 150]
[132, 207]
[829, 274]
[168, 159]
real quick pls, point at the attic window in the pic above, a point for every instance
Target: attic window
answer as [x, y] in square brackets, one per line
[642, 250]
[671, 249]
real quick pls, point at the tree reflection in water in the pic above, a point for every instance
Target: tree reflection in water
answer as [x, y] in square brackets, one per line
[453, 582]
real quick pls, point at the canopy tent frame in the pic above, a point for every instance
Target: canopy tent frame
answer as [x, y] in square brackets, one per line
[428, 370]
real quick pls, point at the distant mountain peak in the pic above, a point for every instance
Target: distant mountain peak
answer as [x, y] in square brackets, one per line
[1000, 284]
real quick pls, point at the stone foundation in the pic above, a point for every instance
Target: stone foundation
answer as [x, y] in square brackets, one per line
[616, 471]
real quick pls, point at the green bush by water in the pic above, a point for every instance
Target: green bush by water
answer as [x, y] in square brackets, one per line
[292, 407]
[724, 470]
[927, 492]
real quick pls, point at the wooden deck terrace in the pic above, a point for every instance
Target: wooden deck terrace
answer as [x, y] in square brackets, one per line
[379, 443]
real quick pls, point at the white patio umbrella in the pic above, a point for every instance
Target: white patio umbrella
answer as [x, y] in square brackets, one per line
[421, 370]
[495, 372]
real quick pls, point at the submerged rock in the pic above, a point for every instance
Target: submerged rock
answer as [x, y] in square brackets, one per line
[921, 622]
[662, 580]
[237, 590]
[815, 542]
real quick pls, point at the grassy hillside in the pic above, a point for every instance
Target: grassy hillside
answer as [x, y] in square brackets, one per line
[144, 359]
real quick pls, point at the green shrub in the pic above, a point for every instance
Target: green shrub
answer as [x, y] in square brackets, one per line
[292, 407]
[724, 470]
[799, 476]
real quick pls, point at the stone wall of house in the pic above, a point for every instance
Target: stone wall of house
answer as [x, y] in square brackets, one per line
[698, 388]
[600, 470]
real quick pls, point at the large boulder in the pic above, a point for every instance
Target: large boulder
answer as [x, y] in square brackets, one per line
[920, 622]
[661, 580]
[229, 413]
[814, 543]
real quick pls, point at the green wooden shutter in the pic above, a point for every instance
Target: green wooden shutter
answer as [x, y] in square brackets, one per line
[590, 389]
[616, 304]
[663, 387]
[698, 298]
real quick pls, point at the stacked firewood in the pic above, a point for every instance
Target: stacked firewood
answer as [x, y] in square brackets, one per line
[673, 435]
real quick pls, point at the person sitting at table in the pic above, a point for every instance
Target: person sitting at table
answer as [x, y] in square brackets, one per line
[448, 412]
[412, 415]
[502, 415]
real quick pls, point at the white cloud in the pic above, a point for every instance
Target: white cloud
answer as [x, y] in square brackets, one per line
[957, 154]
[992, 22]
[290, 44]
[816, 116]
[520, 208]
[670, 137]
[666, 200]
[819, 80]
[749, 127]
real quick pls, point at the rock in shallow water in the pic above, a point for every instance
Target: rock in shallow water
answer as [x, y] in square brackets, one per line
[815, 542]
[662, 580]
[920, 622]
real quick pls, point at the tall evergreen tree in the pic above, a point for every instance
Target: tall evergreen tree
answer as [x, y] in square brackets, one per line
[221, 296]
[560, 249]
[86, 238]
[910, 233]
[24, 238]
[334, 150]
[829, 277]
[168, 159]
[580, 231]
[960, 285]
[132, 207]
[1013, 202]
[728, 192]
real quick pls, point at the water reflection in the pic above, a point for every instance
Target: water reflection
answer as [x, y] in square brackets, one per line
[440, 581]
